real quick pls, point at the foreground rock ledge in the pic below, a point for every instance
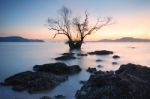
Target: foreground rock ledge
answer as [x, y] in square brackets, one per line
[129, 82]
[45, 77]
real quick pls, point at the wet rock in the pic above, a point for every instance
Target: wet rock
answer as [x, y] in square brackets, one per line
[68, 54]
[91, 70]
[102, 52]
[116, 56]
[99, 60]
[46, 97]
[99, 66]
[60, 97]
[74, 69]
[58, 68]
[34, 81]
[45, 77]
[65, 57]
[129, 82]
[82, 54]
[114, 63]
[82, 82]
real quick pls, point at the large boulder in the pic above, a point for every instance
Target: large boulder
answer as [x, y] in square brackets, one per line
[45, 77]
[57, 68]
[66, 56]
[129, 82]
[34, 81]
[102, 52]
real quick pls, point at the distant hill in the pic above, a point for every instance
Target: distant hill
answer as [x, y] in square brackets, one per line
[18, 39]
[126, 39]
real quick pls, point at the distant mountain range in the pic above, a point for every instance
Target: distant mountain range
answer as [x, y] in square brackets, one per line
[126, 39]
[18, 39]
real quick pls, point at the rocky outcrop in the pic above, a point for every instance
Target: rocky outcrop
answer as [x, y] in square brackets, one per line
[45, 77]
[34, 81]
[91, 70]
[65, 57]
[116, 56]
[102, 52]
[57, 68]
[80, 54]
[129, 82]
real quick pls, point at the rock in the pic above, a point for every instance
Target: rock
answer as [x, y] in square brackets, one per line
[60, 97]
[116, 56]
[55, 68]
[102, 52]
[45, 77]
[65, 57]
[68, 54]
[114, 63]
[74, 69]
[99, 60]
[82, 82]
[33, 81]
[99, 66]
[46, 97]
[58, 68]
[129, 82]
[91, 70]
[82, 54]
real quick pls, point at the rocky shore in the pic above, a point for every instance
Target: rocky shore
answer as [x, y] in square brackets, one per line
[44, 77]
[131, 81]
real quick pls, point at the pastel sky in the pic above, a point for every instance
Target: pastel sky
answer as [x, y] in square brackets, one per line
[27, 18]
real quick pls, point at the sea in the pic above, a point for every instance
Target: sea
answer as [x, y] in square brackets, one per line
[16, 57]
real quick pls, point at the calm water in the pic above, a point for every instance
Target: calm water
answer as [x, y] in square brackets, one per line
[19, 57]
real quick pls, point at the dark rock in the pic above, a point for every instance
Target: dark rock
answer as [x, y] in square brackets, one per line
[60, 97]
[91, 70]
[74, 69]
[114, 63]
[68, 54]
[129, 82]
[99, 60]
[102, 52]
[55, 68]
[116, 56]
[46, 97]
[82, 82]
[82, 54]
[65, 57]
[34, 81]
[18, 88]
[99, 66]
[58, 68]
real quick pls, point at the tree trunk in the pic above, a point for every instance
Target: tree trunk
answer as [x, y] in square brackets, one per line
[75, 45]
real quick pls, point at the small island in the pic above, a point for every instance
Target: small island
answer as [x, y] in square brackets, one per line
[18, 39]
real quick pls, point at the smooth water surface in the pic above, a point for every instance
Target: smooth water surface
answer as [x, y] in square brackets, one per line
[19, 57]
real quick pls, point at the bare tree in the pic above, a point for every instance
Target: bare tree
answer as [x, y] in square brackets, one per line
[69, 27]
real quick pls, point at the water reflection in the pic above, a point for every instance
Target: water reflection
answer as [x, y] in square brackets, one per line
[18, 57]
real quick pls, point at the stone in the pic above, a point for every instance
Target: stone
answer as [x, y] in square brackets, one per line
[33, 81]
[130, 81]
[60, 97]
[114, 63]
[116, 56]
[82, 54]
[65, 57]
[57, 68]
[99, 66]
[102, 52]
[91, 70]
[46, 97]
[99, 60]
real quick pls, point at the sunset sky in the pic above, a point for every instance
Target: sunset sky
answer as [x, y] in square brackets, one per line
[27, 18]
